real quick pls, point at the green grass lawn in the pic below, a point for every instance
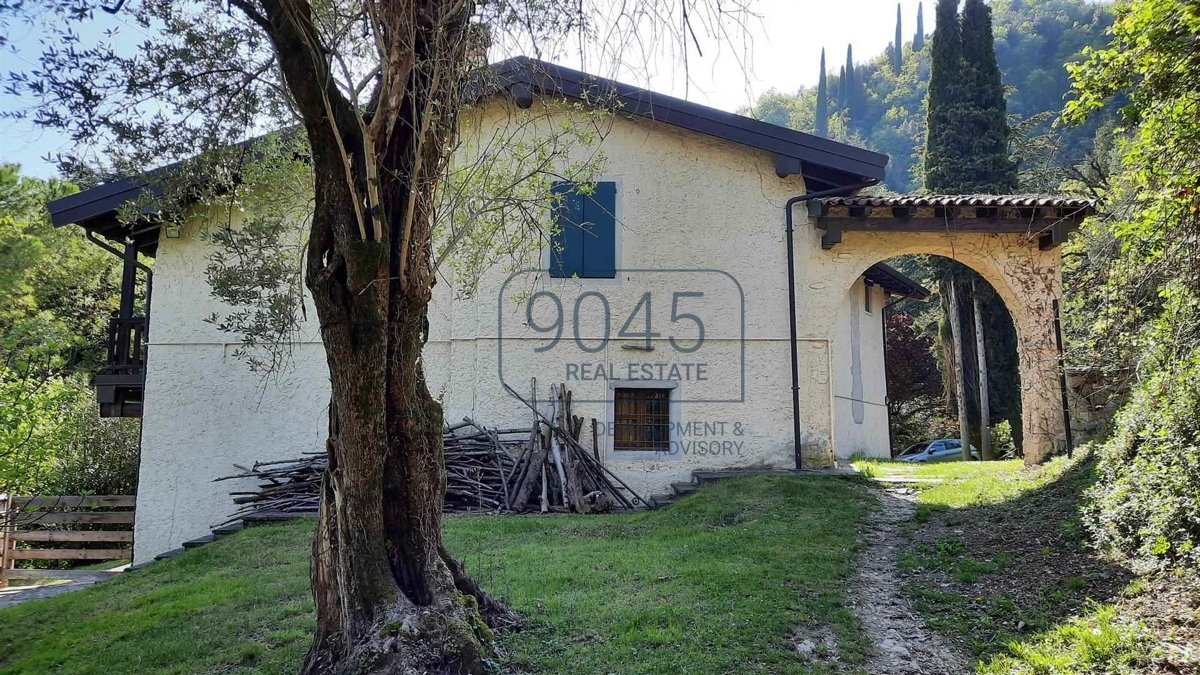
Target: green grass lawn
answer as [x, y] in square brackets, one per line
[946, 470]
[716, 583]
[999, 561]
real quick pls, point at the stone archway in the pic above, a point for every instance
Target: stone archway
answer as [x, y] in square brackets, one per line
[1015, 248]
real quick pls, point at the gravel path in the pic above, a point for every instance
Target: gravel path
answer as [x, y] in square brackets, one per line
[903, 643]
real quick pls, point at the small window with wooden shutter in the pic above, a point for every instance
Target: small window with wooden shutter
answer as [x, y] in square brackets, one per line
[584, 244]
[642, 420]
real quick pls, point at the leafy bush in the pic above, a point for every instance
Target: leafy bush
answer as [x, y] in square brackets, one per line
[1002, 439]
[100, 456]
[68, 448]
[57, 291]
[1147, 503]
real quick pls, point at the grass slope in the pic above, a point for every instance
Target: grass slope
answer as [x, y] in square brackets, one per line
[237, 606]
[714, 583]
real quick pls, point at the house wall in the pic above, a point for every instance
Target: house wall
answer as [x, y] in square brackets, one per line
[860, 385]
[709, 210]
[205, 411]
[706, 217]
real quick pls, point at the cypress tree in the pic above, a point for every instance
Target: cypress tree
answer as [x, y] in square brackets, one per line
[966, 151]
[850, 88]
[990, 168]
[919, 38]
[898, 45]
[841, 92]
[946, 138]
[821, 124]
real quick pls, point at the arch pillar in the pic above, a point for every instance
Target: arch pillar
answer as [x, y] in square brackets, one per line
[1038, 286]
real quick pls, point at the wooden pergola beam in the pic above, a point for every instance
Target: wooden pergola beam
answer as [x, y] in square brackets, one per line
[956, 224]
[1049, 220]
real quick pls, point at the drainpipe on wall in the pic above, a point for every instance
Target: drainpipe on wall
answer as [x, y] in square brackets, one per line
[791, 259]
[1062, 378]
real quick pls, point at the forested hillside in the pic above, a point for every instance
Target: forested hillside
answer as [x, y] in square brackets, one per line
[881, 104]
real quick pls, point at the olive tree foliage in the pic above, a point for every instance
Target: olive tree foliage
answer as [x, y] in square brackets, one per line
[492, 208]
[257, 235]
[381, 92]
[194, 86]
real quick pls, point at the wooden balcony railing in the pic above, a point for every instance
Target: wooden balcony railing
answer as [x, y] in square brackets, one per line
[119, 384]
[126, 345]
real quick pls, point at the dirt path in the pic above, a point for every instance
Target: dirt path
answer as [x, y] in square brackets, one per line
[15, 595]
[903, 643]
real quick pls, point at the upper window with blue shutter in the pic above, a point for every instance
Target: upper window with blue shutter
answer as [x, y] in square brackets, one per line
[584, 244]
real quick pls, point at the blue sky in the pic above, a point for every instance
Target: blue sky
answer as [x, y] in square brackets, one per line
[782, 52]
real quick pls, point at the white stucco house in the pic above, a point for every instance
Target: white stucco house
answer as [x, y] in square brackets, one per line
[663, 304]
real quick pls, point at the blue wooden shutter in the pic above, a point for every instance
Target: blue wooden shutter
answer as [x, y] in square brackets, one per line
[585, 244]
[566, 246]
[600, 239]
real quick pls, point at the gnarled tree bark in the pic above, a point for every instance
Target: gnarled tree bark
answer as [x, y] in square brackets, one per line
[389, 597]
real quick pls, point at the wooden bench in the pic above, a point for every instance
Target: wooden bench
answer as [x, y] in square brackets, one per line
[49, 519]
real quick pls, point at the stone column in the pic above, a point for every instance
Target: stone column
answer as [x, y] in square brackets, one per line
[1036, 278]
[1041, 402]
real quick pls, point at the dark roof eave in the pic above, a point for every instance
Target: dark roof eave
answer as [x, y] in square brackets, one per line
[977, 201]
[895, 282]
[547, 78]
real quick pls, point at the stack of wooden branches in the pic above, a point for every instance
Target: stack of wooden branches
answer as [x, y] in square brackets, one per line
[544, 467]
[479, 463]
[286, 488]
[556, 472]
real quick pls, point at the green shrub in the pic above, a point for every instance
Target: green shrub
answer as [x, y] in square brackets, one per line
[1146, 504]
[100, 456]
[68, 448]
[1002, 440]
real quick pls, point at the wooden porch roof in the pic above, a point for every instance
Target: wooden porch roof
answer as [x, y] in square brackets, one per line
[1049, 218]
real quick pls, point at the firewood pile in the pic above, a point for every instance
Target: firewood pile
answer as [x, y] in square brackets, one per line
[555, 472]
[544, 467]
[289, 487]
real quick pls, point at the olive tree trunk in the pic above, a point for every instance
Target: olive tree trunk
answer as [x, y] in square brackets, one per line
[389, 597]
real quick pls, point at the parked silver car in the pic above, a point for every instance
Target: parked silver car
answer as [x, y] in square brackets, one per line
[940, 450]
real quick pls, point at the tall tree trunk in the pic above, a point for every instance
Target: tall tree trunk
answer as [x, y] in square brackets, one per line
[389, 597]
[985, 408]
[960, 388]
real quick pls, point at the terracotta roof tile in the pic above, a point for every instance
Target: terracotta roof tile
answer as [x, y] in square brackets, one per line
[975, 201]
